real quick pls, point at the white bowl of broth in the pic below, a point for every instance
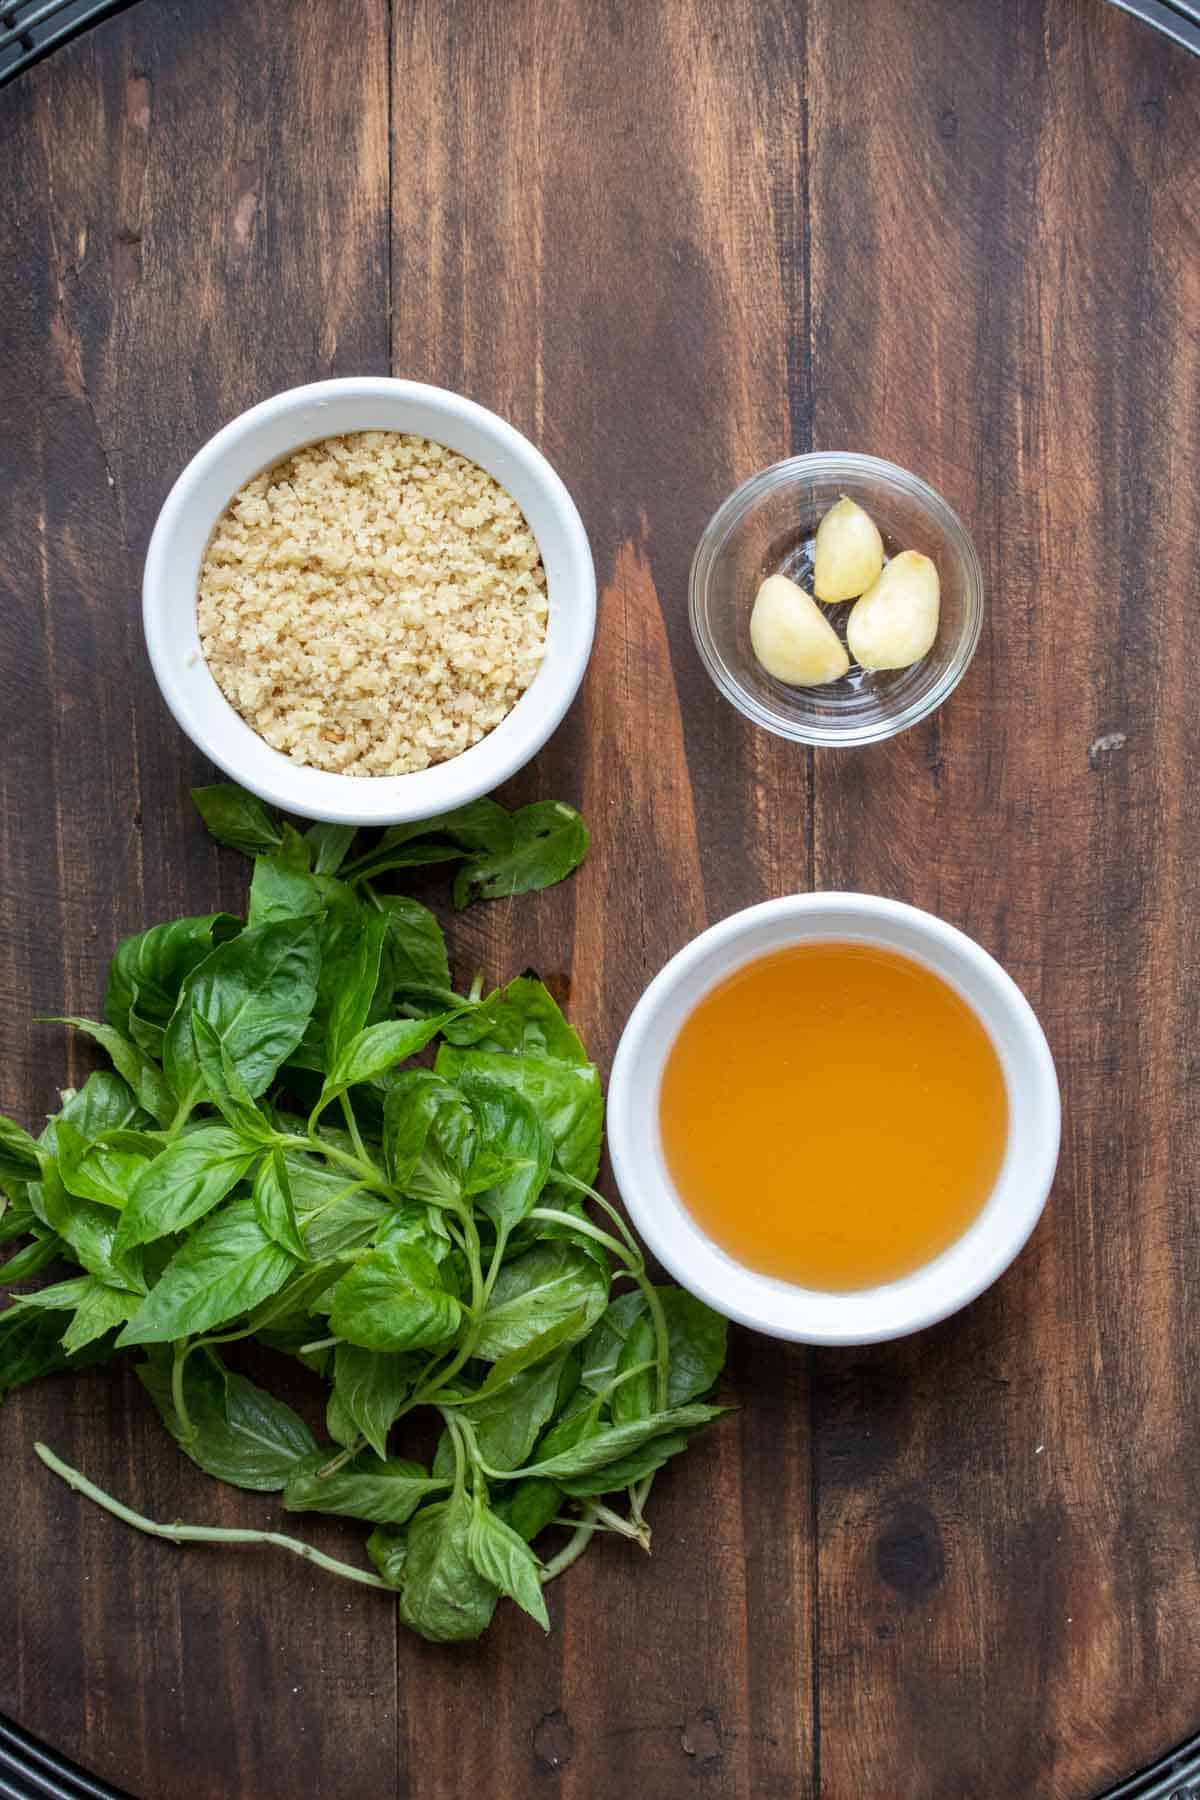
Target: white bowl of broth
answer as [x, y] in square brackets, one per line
[834, 1118]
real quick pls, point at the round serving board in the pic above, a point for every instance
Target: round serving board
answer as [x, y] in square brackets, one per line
[671, 241]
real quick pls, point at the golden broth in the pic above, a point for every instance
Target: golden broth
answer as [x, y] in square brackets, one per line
[833, 1114]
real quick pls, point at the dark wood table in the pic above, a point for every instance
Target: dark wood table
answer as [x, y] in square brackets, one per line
[672, 242]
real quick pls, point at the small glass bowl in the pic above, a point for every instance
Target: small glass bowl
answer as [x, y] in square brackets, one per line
[767, 527]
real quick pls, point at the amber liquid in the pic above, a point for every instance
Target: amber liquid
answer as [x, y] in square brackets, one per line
[834, 1115]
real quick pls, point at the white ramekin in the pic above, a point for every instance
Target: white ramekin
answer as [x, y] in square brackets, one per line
[781, 1308]
[264, 435]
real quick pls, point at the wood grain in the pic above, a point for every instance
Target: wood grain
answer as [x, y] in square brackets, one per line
[672, 241]
[195, 215]
[996, 1582]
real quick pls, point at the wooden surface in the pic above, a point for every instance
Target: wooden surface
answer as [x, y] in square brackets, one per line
[672, 242]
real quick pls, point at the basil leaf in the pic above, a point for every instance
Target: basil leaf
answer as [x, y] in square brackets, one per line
[580, 1418]
[106, 1169]
[237, 1432]
[602, 1351]
[695, 1334]
[347, 932]
[372, 1386]
[18, 1153]
[282, 888]
[350, 962]
[387, 1548]
[103, 1103]
[549, 840]
[634, 1397]
[151, 967]
[566, 1098]
[29, 1346]
[512, 1133]
[625, 1470]
[339, 1424]
[529, 1506]
[183, 1183]
[376, 1050]
[100, 1309]
[274, 1207]
[412, 1222]
[17, 1217]
[334, 1212]
[393, 1299]
[428, 1137]
[443, 1596]
[30, 1261]
[329, 845]
[480, 825]
[61, 1296]
[415, 949]
[90, 1230]
[567, 1331]
[507, 1423]
[225, 1087]
[223, 1270]
[522, 1019]
[550, 1283]
[698, 1340]
[370, 1487]
[238, 819]
[142, 1075]
[615, 1441]
[503, 1557]
[257, 992]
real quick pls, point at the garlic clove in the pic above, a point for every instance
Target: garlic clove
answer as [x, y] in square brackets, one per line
[895, 623]
[792, 638]
[848, 555]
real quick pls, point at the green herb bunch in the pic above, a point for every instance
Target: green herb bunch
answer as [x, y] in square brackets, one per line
[264, 1161]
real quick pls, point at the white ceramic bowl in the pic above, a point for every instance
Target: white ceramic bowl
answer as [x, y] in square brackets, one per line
[272, 431]
[781, 1308]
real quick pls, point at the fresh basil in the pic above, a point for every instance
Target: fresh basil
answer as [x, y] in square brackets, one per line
[443, 1596]
[546, 842]
[257, 992]
[330, 845]
[381, 1491]
[234, 1430]
[394, 1299]
[31, 1260]
[507, 1423]
[258, 1165]
[566, 1097]
[18, 1153]
[150, 968]
[415, 952]
[549, 1284]
[183, 1183]
[275, 1206]
[503, 1557]
[376, 1050]
[141, 1073]
[371, 1387]
[238, 819]
[228, 1266]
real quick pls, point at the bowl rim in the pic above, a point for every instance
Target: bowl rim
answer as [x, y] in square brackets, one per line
[734, 508]
[971, 1263]
[218, 730]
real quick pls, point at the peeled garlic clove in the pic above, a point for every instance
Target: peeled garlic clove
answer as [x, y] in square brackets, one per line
[848, 554]
[896, 621]
[792, 638]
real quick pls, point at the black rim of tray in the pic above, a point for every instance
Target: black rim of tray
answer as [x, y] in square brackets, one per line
[30, 29]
